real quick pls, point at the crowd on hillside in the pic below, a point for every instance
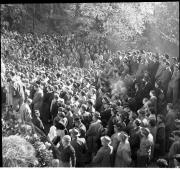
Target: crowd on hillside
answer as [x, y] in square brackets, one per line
[97, 108]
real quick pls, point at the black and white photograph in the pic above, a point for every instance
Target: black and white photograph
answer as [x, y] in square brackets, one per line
[90, 85]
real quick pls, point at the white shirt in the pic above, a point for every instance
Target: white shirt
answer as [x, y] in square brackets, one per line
[52, 133]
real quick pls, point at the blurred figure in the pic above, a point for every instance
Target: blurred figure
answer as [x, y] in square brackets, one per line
[103, 157]
[123, 154]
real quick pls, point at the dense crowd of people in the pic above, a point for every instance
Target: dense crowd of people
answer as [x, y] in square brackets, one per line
[97, 108]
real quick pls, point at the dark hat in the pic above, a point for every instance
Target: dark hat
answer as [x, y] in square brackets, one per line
[77, 119]
[59, 125]
[97, 115]
[74, 132]
[137, 122]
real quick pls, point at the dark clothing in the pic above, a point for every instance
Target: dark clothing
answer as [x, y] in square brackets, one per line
[54, 110]
[82, 130]
[80, 148]
[86, 120]
[68, 155]
[134, 141]
[105, 116]
[160, 140]
[170, 126]
[45, 108]
[110, 127]
[37, 122]
[174, 149]
[56, 140]
[146, 89]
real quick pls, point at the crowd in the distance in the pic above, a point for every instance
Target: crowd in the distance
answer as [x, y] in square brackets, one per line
[97, 108]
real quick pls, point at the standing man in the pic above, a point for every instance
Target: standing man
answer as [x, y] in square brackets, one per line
[80, 147]
[67, 157]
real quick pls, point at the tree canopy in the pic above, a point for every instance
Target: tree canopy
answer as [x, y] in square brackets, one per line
[137, 23]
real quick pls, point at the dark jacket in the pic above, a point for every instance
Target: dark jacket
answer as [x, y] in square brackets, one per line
[54, 110]
[80, 147]
[160, 139]
[67, 155]
[134, 141]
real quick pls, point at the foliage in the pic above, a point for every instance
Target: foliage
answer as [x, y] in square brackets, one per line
[17, 152]
[124, 22]
[43, 155]
[10, 126]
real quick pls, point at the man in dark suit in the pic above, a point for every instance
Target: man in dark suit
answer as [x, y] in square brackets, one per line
[80, 147]
[54, 106]
[134, 140]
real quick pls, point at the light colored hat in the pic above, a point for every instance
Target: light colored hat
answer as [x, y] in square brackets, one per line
[67, 138]
[106, 139]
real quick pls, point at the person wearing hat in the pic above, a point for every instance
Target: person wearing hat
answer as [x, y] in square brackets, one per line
[80, 126]
[144, 152]
[67, 156]
[93, 134]
[103, 158]
[79, 145]
[175, 148]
